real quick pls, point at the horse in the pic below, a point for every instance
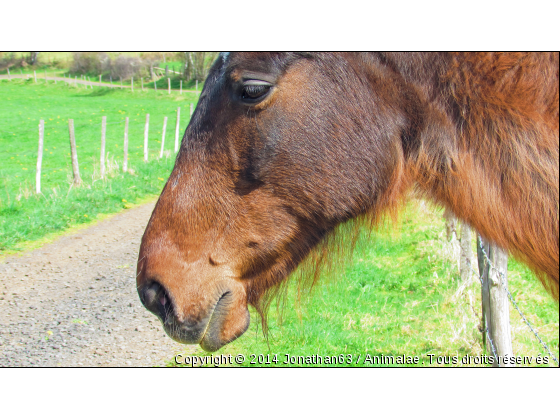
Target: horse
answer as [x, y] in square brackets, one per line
[283, 148]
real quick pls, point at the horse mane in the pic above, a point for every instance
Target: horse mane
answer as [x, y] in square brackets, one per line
[486, 148]
[502, 176]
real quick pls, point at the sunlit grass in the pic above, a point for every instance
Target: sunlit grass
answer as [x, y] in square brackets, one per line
[26, 216]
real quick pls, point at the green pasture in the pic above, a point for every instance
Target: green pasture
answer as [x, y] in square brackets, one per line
[25, 216]
[397, 296]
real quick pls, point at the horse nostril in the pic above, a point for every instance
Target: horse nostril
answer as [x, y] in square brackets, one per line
[156, 300]
[151, 294]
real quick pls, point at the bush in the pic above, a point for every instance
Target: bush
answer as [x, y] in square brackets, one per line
[7, 60]
[126, 67]
[90, 63]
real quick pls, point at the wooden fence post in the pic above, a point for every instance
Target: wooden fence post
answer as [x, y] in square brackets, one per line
[76, 81]
[196, 85]
[450, 225]
[495, 304]
[191, 110]
[9, 77]
[40, 156]
[155, 86]
[132, 84]
[103, 130]
[35, 75]
[99, 78]
[121, 82]
[125, 147]
[169, 86]
[146, 137]
[142, 82]
[177, 124]
[482, 269]
[163, 137]
[75, 167]
[466, 254]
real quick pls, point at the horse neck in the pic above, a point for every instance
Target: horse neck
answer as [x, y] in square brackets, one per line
[489, 152]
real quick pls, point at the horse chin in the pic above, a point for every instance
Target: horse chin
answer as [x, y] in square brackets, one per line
[217, 336]
[226, 322]
[225, 325]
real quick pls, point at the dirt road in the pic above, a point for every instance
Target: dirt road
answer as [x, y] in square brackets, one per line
[74, 302]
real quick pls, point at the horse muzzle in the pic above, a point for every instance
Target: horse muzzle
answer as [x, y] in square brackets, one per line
[212, 327]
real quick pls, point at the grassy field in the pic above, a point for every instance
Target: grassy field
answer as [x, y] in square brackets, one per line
[397, 297]
[25, 216]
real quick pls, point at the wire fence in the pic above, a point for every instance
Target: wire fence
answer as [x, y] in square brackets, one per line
[502, 276]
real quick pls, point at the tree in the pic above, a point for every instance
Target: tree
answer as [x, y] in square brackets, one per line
[197, 64]
[189, 65]
[151, 60]
[32, 59]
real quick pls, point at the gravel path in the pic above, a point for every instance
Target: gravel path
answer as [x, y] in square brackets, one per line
[74, 302]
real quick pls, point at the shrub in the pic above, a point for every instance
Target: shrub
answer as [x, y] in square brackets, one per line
[90, 62]
[126, 67]
[7, 60]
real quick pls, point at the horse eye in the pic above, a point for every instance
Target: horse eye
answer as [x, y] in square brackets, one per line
[253, 91]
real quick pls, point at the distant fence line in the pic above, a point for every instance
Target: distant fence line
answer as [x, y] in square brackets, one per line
[102, 160]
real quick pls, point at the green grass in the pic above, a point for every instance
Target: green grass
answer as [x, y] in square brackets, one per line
[396, 297]
[25, 216]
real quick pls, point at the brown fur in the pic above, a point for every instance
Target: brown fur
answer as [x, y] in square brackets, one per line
[256, 190]
[501, 173]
